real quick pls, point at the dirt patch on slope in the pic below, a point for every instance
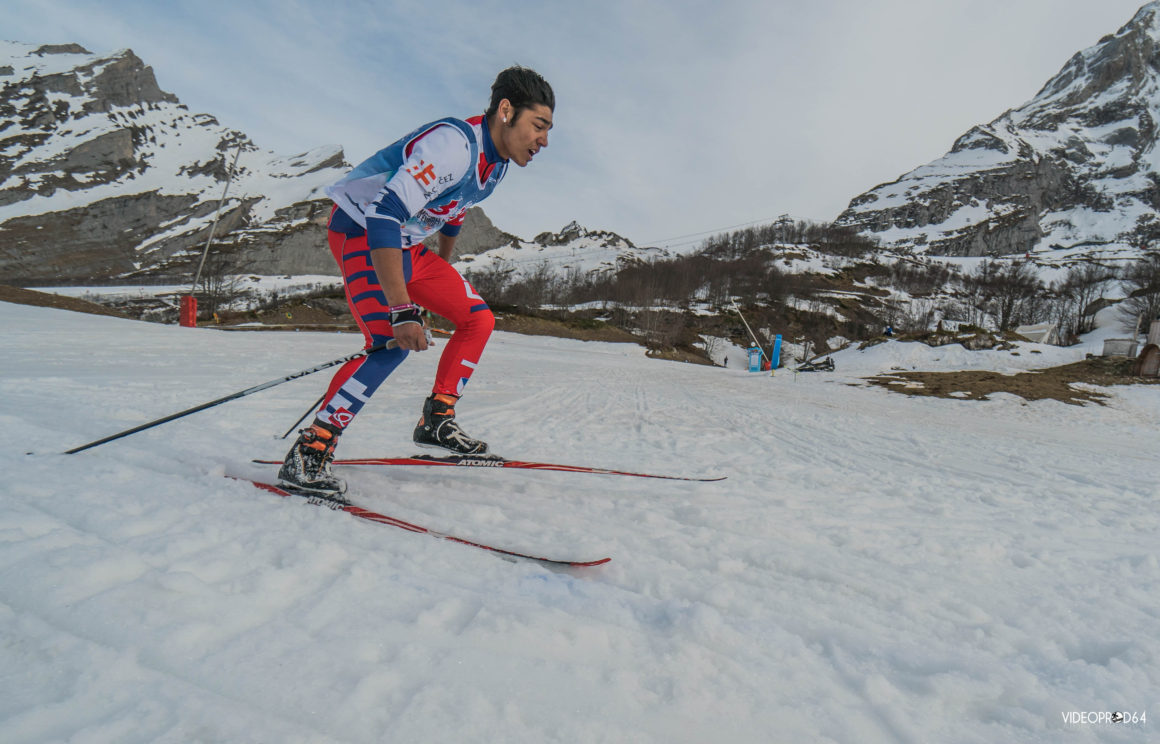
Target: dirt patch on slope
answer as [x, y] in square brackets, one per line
[532, 326]
[22, 296]
[1055, 383]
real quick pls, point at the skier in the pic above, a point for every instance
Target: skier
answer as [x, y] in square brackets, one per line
[384, 208]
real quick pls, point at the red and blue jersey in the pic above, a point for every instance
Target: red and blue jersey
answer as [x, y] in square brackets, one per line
[421, 183]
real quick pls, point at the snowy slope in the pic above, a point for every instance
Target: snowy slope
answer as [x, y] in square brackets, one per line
[876, 568]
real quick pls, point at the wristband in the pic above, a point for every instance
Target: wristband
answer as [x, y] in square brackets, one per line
[408, 313]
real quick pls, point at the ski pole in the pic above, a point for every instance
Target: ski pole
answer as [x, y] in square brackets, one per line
[390, 344]
[318, 402]
[302, 418]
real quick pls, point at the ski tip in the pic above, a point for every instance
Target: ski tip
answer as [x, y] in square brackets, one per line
[554, 563]
[586, 564]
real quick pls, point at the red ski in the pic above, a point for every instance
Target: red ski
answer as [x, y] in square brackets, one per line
[487, 461]
[341, 504]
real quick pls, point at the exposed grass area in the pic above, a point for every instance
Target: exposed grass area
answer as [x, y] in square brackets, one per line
[1055, 383]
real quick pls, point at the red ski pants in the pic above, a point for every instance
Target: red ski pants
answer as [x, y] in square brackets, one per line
[432, 283]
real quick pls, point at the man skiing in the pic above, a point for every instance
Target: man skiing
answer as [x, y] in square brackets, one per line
[384, 208]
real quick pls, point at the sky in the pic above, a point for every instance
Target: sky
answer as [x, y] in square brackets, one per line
[674, 119]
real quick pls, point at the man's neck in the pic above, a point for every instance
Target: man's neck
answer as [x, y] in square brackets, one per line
[495, 131]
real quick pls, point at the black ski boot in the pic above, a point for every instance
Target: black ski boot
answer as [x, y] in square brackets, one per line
[307, 465]
[437, 428]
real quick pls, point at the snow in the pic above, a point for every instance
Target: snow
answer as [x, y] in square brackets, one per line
[876, 567]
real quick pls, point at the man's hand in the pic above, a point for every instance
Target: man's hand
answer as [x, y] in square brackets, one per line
[411, 336]
[407, 325]
[406, 320]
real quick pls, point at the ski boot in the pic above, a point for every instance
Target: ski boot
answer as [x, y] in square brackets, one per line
[307, 465]
[437, 428]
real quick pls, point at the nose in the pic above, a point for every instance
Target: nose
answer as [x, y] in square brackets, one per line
[543, 140]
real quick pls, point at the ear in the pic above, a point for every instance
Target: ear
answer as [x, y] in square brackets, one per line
[505, 111]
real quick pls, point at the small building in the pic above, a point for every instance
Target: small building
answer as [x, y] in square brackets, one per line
[1119, 347]
[1040, 333]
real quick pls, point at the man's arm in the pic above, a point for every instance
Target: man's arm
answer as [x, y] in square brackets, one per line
[388, 264]
[447, 246]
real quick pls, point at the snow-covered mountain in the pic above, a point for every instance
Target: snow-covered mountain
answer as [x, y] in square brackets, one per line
[105, 176]
[572, 249]
[1074, 171]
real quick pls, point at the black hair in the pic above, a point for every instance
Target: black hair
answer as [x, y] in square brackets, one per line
[522, 86]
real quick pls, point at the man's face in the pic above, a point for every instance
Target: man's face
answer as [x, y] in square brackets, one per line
[522, 135]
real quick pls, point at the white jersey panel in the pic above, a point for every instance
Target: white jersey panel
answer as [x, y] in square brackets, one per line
[438, 160]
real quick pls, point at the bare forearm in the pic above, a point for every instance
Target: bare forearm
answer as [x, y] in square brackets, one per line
[447, 246]
[388, 265]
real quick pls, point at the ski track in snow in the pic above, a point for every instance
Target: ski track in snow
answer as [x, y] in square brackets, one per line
[876, 568]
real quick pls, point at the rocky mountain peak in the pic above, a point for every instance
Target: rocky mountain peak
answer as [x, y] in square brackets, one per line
[105, 176]
[573, 232]
[44, 49]
[1130, 56]
[1074, 171]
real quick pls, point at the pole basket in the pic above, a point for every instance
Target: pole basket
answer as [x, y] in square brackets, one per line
[189, 311]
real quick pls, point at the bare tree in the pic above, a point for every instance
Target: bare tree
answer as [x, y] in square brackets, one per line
[1141, 284]
[1008, 292]
[492, 283]
[220, 283]
[1076, 295]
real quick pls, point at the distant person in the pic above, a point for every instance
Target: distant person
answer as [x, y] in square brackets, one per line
[384, 208]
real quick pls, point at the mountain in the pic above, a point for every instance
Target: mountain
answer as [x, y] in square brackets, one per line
[573, 249]
[1073, 172]
[104, 176]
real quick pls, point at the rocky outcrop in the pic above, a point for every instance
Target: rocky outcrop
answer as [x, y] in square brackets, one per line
[572, 250]
[1074, 168]
[573, 231]
[106, 177]
[97, 242]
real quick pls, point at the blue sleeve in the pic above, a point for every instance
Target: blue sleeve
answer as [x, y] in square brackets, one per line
[384, 222]
[450, 230]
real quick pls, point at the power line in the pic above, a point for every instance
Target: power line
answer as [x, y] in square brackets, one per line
[710, 232]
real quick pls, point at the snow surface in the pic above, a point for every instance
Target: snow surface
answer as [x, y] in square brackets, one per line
[876, 567]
